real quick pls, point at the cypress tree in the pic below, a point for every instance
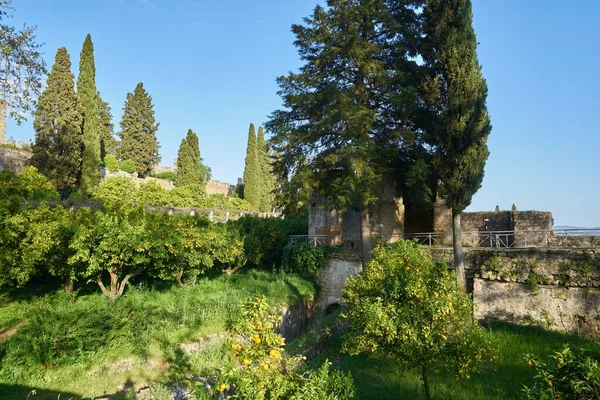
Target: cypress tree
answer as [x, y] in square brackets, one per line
[57, 124]
[189, 169]
[457, 122]
[138, 131]
[108, 143]
[267, 177]
[88, 97]
[252, 189]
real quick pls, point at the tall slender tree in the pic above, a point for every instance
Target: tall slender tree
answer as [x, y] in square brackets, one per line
[457, 123]
[190, 168]
[88, 97]
[252, 179]
[108, 143]
[138, 131]
[267, 177]
[57, 124]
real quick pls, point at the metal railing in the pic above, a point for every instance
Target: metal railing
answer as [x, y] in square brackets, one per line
[568, 238]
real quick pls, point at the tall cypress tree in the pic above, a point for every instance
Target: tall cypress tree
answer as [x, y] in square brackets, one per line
[190, 169]
[267, 178]
[138, 131]
[57, 125]
[88, 97]
[252, 190]
[108, 143]
[457, 123]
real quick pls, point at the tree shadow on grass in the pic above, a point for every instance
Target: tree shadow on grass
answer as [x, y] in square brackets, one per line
[18, 392]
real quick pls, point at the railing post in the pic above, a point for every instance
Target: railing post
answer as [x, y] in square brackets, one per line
[211, 215]
[227, 216]
[430, 238]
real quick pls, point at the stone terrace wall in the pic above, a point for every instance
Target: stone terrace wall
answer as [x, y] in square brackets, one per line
[559, 288]
[14, 159]
[217, 187]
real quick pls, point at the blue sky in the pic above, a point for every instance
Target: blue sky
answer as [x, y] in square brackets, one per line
[211, 65]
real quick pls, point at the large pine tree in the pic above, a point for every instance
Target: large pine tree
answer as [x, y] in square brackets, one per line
[108, 143]
[252, 173]
[190, 168]
[267, 177]
[457, 123]
[138, 131]
[57, 125]
[88, 97]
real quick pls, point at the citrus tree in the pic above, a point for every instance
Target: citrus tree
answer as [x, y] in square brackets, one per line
[258, 367]
[116, 243]
[409, 308]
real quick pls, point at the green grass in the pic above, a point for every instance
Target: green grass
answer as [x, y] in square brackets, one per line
[503, 378]
[88, 345]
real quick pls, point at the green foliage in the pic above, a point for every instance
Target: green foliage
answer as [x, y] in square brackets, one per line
[111, 163]
[304, 259]
[119, 244]
[169, 175]
[268, 180]
[57, 124]
[568, 375]
[108, 143]
[408, 308]
[116, 192]
[128, 166]
[454, 91]
[252, 173]
[190, 169]
[138, 132]
[88, 97]
[153, 194]
[22, 67]
[265, 238]
[35, 186]
[259, 369]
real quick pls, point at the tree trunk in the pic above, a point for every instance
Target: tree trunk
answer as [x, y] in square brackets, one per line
[425, 382]
[365, 236]
[69, 287]
[459, 255]
[178, 278]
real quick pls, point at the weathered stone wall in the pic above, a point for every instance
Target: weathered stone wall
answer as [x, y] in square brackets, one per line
[14, 159]
[164, 183]
[323, 220]
[387, 213]
[332, 277]
[526, 221]
[559, 288]
[217, 187]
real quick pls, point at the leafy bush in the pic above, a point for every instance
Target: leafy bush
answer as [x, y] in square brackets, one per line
[116, 192]
[567, 376]
[303, 259]
[188, 196]
[409, 308]
[37, 187]
[169, 175]
[128, 166]
[111, 163]
[258, 367]
[153, 194]
[265, 238]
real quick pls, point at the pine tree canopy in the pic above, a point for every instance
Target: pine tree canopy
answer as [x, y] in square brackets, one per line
[57, 124]
[88, 97]
[252, 178]
[454, 92]
[138, 132]
[108, 143]
[190, 169]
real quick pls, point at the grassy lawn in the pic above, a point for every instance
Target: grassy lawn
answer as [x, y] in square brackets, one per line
[503, 378]
[87, 345]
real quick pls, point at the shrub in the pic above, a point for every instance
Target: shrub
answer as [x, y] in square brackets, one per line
[153, 194]
[303, 259]
[36, 187]
[407, 307]
[258, 367]
[568, 375]
[189, 196]
[111, 163]
[116, 192]
[128, 166]
[169, 176]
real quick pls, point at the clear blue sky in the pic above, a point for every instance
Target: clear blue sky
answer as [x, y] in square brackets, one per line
[211, 65]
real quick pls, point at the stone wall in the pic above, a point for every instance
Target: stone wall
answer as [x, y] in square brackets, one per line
[217, 187]
[322, 220]
[164, 183]
[332, 277]
[559, 288]
[14, 159]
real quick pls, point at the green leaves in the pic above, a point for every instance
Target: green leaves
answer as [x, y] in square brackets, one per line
[190, 169]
